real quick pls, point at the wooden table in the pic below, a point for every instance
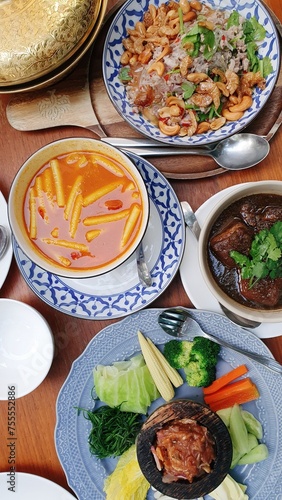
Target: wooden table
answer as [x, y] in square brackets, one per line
[35, 450]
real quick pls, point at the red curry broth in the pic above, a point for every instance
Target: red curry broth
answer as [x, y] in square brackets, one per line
[63, 197]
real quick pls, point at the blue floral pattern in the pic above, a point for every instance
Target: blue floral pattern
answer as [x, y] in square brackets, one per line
[131, 12]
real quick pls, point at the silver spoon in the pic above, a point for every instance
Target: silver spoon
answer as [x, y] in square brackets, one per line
[4, 239]
[178, 323]
[193, 224]
[142, 267]
[237, 152]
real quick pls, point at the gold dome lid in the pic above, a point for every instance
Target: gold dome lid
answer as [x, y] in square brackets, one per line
[37, 36]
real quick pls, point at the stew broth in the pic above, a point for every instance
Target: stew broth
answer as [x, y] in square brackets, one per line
[83, 210]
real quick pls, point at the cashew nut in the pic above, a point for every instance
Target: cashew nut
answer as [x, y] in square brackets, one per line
[232, 117]
[169, 129]
[196, 5]
[190, 16]
[197, 77]
[171, 100]
[158, 66]
[218, 123]
[207, 24]
[124, 60]
[222, 88]
[184, 6]
[166, 50]
[145, 56]
[243, 105]
[202, 128]
[140, 28]
[164, 112]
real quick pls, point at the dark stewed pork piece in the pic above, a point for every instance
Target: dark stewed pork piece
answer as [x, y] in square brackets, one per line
[235, 236]
[260, 218]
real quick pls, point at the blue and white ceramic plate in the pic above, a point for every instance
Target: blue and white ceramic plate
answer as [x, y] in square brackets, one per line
[117, 342]
[119, 292]
[131, 12]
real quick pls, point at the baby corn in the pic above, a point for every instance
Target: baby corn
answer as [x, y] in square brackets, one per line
[171, 372]
[158, 374]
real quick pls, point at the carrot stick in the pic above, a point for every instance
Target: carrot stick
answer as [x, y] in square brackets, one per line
[243, 397]
[238, 392]
[226, 379]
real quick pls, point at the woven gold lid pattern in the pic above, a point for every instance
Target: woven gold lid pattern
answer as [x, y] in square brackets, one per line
[39, 35]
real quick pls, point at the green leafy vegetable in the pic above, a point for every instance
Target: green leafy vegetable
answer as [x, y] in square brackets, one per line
[265, 66]
[233, 19]
[124, 74]
[126, 382]
[265, 257]
[188, 89]
[113, 431]
[253, 30]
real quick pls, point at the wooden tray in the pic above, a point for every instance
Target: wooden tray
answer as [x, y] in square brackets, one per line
[82, 95]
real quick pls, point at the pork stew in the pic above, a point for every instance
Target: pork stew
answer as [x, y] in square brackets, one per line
[231, 242]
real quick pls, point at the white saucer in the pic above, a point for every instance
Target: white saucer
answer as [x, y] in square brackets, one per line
[5, 261]
[193, 282]
[26, 349]
[30, 487]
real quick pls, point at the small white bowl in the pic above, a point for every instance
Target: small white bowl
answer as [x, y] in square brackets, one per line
[17, 199]
[26, 349]
[257, 314]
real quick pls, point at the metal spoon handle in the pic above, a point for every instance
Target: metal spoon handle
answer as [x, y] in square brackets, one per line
[191, 219]
[259, 358]
[145, 142]
[166, 151]
[142, 267]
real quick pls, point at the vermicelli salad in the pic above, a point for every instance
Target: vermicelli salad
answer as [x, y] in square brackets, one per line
[189, 69]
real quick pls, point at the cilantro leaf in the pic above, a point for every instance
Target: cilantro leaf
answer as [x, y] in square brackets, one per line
[265, 256]
[124, 74]
[188, 89]
[266, 66]
[233, 19]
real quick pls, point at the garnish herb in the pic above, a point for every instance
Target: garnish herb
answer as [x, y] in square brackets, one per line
[124, 74]
[265, 257]
[113, 431]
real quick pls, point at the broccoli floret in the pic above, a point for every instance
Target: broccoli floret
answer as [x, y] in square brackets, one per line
[197, 376]
[177, 352]
[205, 352]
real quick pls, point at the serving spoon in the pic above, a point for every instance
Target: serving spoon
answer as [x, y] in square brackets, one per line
[193, 224]
[4, 239]
[237, 152]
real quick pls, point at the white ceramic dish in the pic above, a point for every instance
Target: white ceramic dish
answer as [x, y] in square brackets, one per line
[120, 292]
[31, 487]
[117, 342]
[26, 348]
[131, 12]
[193, 281]
[5, 261]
